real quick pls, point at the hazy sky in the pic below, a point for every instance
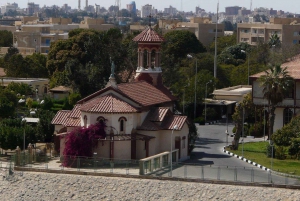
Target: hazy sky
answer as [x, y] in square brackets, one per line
[187, 5]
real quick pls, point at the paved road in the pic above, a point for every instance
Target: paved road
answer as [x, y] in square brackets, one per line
[211, 163]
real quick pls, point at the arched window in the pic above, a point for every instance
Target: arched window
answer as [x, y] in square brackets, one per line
[85, 121]
[122, 121]
[101, 119]
[287, 115]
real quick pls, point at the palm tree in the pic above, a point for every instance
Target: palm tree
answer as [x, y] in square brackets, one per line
[274, 41]
[276, 83]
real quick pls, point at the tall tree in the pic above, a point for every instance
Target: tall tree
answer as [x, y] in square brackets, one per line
[175, 48]
[6, 38]
[242, 111]
[276, 83]
[274, 41]
[83, 61]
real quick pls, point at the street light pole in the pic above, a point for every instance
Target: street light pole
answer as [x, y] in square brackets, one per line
[243, 133]
[195, 105]
[205, 100]
[264, 122]
[171, 153]
[195, 102]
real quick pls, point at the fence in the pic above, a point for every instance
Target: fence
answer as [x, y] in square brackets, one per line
[159, 166]
[157, 162]
[81, 164]
[227, 173]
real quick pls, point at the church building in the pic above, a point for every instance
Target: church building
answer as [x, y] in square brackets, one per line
[139, 115]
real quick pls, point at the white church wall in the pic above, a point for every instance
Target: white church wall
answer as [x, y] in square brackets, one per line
[122, 150]
[103, 149]
[278, 123]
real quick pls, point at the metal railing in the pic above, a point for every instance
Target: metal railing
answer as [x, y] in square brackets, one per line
[159, 166]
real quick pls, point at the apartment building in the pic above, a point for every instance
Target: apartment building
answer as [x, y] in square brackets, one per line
[288, 30]
[202, 27]
[146, 10]
[32, 35]
[5, 8]
[37, 36]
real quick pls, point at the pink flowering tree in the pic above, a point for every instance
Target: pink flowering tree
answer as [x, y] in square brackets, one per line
[81, 142]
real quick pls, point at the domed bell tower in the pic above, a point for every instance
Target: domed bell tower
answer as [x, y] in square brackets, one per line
[149, 57]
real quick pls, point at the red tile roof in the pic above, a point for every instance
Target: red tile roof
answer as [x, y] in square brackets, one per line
[148, 35]
[107, 104]
[145, 93]
[165, 116]
[293, 68]
[75, 112]
[173, 121]
[61, 117]
[159, 114]
[72, 122]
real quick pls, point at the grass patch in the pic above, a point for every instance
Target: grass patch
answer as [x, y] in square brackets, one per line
[256, 152]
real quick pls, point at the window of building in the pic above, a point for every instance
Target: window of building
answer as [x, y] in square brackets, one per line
[122, 122]
[101, 119]
[290, 93]
[85, 121]
[296, 33]
[295, 41]
[287, 115]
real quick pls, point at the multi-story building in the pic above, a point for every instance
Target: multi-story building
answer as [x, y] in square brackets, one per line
[288, 30]
[131, 7]
[203, 28]
[32, 36]
[146, 10]
[37, 36]
[32, 8]
[232, 10]
[170, 11]
[8, 6]
[290, 106]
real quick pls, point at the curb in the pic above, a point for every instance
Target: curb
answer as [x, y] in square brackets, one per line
[258, 165]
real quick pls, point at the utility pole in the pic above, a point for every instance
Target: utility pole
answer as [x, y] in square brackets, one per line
[216, 36]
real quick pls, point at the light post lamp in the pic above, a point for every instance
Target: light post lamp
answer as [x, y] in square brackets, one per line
[272, 145]
[205, 99]
[264, 122]
[24, 122]
[247, 55]
[195, 103]
[171, 153]
[243, 133]
[226, 132]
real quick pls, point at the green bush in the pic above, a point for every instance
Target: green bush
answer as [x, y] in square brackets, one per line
[294, 149]
[199, 120]
[284, 136]
[57, 105]
[280, 152]
[234, 130]
[256, 129]
[269, 151]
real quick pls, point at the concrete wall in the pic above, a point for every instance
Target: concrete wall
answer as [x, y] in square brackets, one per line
[278, 123]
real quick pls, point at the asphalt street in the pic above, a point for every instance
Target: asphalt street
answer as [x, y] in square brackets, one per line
[208, 161]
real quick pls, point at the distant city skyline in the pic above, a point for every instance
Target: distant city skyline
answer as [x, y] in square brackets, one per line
[187, 5]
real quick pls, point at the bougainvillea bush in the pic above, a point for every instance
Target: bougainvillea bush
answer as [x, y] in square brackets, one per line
[81, 141]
